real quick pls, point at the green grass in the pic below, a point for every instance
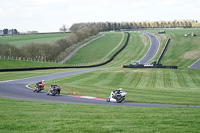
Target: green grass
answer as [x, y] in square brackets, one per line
[97, 50]
[181, 51]
[26, 74]
[135, 50]
[19, 40]
[7, 64]
[162, 86]
[31, 116]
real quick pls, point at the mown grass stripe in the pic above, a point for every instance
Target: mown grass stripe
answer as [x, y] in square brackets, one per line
[189, 80]
[167, 79]
[196, 77]
[159, 79]
[174, 79]
[144, 79]
[181, 79]
[152, 79]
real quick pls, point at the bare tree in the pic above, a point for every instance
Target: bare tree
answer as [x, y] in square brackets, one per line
[63, 29]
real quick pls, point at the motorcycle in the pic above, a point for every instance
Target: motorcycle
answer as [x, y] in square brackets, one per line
[116, 97]
[39, 86]
[54, 89]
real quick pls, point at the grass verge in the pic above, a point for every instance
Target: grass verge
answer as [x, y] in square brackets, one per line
[29, 116]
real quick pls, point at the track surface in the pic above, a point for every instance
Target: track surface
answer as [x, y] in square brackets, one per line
[17, 89]
[155, 44]
[196, 65]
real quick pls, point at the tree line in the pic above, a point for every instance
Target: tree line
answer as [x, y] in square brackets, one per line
[47, 51]
[108, 26]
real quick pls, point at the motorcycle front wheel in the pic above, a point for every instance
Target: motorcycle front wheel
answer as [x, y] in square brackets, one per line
[108, 99]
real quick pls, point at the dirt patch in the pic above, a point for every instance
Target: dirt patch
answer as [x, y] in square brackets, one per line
[194, 54]
[145, 39]
[162, 37]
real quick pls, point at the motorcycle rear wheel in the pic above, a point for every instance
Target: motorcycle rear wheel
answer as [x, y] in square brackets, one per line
[119, 99]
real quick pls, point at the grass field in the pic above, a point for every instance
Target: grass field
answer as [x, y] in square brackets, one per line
[98, 50]
[163, 86]
[135, 50]
[94, 53]
[26, 74]
[182, 51]
[7, 64]
[28, 116]
[19, 40]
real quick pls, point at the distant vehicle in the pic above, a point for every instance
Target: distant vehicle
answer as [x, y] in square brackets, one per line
[54, 89]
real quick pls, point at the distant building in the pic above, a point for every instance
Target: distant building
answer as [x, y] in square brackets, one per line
[9, 32]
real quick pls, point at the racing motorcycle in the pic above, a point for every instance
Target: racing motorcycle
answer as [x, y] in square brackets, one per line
[39, 86]
[54, 89]
[117, 96]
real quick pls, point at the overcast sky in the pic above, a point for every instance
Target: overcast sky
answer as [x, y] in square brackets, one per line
[50, 15]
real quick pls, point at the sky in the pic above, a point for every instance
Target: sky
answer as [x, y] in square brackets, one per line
[50, 15]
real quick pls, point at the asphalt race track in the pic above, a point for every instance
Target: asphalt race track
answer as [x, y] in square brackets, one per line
[155, 44]
[196, 65]
[17, 89]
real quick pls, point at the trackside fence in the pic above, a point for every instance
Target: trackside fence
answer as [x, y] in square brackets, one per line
[161, 55]
[28, 59]
[153, 66]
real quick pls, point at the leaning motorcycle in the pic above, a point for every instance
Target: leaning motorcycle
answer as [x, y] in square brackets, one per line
[54, 89]
[116, 97]
[38, 87]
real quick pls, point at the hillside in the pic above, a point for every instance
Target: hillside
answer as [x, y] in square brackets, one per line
[163, 86]
[8, 64]
[182, 51]
[99, 50]
[19, 40]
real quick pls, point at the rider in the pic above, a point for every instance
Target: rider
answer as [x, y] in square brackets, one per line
[42, 83]
[58, 87]
[118, 91]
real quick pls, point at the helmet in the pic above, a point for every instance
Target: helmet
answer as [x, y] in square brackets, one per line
[121, 90]
[43, 80]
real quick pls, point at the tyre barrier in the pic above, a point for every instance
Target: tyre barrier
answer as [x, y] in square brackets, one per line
[149, 66]
[45, 68]
[161, 55]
